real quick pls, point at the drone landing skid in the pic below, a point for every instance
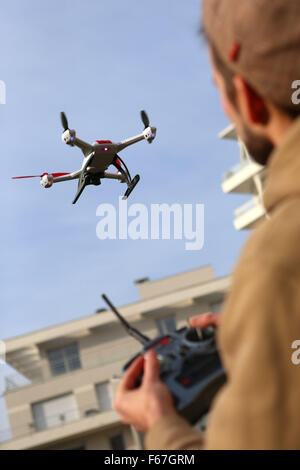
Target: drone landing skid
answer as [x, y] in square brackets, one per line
[86, 179]
[131, 183]
[131, 186]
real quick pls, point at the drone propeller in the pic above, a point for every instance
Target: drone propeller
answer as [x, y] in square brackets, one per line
[55, 175]
[145, 119]
[64, 121]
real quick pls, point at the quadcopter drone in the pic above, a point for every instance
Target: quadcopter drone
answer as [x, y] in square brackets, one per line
[97, 158]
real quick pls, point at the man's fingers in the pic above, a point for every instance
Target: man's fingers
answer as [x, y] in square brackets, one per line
[204, 319]
[151, 368]
[130, 377]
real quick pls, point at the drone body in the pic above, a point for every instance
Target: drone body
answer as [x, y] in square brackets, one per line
[97, 158]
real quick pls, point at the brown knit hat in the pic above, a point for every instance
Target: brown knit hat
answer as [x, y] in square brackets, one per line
[260, 40]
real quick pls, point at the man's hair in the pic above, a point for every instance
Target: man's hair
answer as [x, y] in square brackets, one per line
[225, 71]
[228, 74]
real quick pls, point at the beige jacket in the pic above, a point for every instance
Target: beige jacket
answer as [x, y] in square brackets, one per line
[259, 407]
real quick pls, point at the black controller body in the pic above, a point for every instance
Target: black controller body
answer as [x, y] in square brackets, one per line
[190, 367]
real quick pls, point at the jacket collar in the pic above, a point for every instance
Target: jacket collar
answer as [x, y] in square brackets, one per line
[283, 179]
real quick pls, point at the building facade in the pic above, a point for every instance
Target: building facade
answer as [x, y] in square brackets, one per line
[72, 369]
[247, 177]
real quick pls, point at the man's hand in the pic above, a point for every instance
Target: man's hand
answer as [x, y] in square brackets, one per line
[145, 405]
[205, 319]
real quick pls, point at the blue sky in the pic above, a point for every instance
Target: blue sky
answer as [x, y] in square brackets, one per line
[102, 62]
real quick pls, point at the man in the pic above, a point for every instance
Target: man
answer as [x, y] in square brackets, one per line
[254, 48]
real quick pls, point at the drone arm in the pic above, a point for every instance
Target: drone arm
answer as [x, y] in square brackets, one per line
[114, 176]
[127, 142]
[84, 146]
[70, 176]
[69, 138]
[148, 134]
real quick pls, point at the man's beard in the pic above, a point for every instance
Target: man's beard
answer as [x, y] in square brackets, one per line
[259, 148]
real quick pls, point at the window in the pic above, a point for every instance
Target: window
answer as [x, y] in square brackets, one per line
[54, 412]
[166, 325]
[64, 359]
[104, 396]
[117, 442]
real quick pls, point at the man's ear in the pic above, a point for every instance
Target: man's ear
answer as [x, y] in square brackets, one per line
[252, 106]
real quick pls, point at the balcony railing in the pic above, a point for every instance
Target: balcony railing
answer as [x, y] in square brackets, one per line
[51, 421]
[253, 203]
[236, 169]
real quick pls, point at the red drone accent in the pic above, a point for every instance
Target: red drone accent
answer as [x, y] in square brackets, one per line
[55, 175]
[104, 141]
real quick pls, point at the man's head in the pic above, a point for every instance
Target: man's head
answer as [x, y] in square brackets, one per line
[253, 49]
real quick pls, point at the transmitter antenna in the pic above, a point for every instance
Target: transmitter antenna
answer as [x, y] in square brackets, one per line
[136, 334]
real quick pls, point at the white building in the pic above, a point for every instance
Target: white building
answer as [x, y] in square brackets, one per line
[247, 177]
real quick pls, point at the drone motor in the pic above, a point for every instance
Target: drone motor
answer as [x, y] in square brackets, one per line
[47, 181]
